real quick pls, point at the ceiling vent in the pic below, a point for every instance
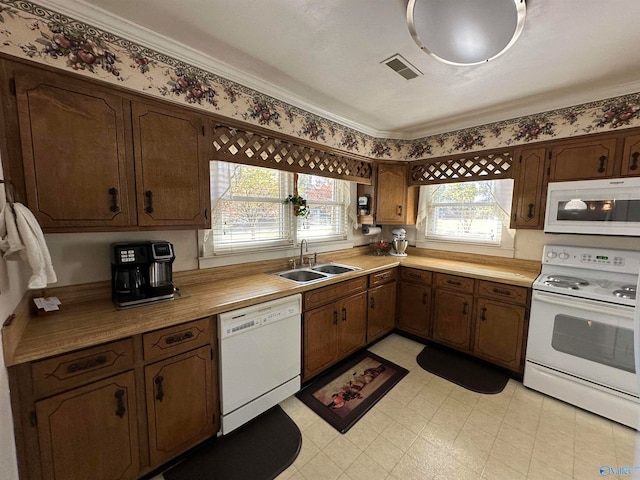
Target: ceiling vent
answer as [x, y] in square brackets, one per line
[399, 64]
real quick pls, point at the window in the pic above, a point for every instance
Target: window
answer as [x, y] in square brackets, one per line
[467, 212]
[248, 213]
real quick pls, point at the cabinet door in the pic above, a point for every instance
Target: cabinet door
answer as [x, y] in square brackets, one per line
[415, 306]
[73, 144]
[90, 432]
[353, 324]
[393, 205]
[172, 178]
[452, 318]
[583, 160]
[179, 403]
[529, 189]
[320, 339]
[631, 156]
[499, 330]
[381, 317]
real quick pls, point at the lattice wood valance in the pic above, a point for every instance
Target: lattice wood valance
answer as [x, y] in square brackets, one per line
[242, 146]
[489, 165]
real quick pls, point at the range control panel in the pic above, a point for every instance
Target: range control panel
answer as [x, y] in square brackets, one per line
[623, 261]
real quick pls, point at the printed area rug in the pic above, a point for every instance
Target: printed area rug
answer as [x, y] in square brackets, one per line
[344, 394]
[467, 371]
[259, 450]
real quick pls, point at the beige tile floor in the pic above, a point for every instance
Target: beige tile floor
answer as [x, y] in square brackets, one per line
[428, 428]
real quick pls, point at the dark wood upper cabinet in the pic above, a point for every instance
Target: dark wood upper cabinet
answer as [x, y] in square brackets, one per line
[529, 188]
[172, 168]
[583, 159]
[631, 156]
[73, 148]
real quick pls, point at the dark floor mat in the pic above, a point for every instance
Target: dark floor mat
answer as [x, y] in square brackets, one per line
[464, 370]
[259, 450]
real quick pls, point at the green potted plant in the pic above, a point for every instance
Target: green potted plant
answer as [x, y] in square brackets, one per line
[300, 208]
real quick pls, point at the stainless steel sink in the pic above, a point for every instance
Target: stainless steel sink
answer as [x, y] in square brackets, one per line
[302, 276]
[317, 273]
[333, 269]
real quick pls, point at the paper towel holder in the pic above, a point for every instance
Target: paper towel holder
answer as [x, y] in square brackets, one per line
[366, 229]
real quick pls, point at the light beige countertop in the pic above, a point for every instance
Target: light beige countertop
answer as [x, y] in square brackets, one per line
[87, 323]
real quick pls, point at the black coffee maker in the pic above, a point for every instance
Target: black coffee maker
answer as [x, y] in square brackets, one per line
[141, 272]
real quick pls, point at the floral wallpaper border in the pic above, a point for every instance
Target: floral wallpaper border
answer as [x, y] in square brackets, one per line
[45, 36]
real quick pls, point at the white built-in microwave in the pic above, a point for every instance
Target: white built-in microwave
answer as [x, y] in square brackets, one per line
[594, 207]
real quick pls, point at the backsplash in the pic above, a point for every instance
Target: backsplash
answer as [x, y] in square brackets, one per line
[44, 36]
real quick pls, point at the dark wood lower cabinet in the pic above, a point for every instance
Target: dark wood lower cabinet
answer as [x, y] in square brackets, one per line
[180, 408]
[499, 331]
[452, 318]
[414, 309]
[381, 317]
[91, 432]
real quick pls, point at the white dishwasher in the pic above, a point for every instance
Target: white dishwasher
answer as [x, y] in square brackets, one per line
[259, 358]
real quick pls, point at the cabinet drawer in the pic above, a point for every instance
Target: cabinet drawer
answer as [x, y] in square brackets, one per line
[385, 276]
[322, 296]
[501, 291]
[78, 368]
[453, 281]
[416, 275]
[176, 339]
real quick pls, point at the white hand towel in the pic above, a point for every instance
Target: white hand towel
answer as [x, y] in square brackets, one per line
[10, 242]
[37, 253]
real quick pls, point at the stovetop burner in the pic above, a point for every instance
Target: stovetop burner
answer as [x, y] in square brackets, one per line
[560, 284]
[629, 294]
[628, 288]
[564, 279]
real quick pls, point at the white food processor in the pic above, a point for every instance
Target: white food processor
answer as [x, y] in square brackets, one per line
[400, 242]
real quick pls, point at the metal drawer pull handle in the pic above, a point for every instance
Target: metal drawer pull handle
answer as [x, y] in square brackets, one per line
[335, 317]
[114, 199]
[453, 282]
[603, 162]
[483, 317]
[634, 161]
[502, 291]
[86, 364]
[465, 308]
[120, 410]
[159, 388]
[530, 214]
[178, 338]
[424, 299]
[344, 314]
[415, 275]
[372, 302]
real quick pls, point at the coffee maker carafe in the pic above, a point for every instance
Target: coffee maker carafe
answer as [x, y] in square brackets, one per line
[141, 272]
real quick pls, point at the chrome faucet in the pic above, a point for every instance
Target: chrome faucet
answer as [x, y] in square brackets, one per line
[303, 242]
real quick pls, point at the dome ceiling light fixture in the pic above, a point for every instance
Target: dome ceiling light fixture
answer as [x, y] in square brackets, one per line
[465, 32]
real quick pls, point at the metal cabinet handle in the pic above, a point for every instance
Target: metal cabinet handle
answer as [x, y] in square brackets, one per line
[399, 210]
[454, 282]
[86, 364]
[149, 196]
[344, 314]
[603, 162]
[502, 291]
[114, 200]
[119, 396]
[178, 338]
[483, 317]
[335, 317]
[372, 302]
[465, 308]
[634, 161]
[424, 298]
[159, 388]
[417, 276]
[530, 214]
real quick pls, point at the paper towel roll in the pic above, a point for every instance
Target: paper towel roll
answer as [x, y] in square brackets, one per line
[367, 230]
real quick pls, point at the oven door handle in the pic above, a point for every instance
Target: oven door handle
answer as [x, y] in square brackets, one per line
[583, 304]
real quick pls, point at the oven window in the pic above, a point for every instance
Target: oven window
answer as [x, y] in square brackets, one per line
[598, 342]
[627, 211]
